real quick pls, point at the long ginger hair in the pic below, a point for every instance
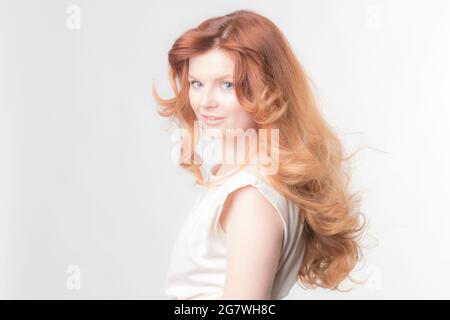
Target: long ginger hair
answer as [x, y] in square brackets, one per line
[272, 86]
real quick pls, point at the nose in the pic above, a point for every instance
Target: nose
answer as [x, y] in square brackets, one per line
[208, 100]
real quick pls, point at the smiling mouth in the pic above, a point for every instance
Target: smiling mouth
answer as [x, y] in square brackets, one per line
[212, 120]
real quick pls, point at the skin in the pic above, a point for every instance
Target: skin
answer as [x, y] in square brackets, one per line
[253, 249]
[212, 94]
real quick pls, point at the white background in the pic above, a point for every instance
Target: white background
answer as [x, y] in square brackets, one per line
[86, 177]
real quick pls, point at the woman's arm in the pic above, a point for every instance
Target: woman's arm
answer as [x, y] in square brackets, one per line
[254, 235]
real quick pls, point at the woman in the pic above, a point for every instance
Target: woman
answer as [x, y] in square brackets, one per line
[259, 228]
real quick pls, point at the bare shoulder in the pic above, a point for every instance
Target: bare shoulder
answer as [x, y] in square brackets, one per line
[254, 234]
[247, 208]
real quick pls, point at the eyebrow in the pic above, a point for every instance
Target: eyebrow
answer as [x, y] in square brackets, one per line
[221, 77]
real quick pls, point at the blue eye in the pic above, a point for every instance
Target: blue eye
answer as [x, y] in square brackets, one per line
[231, 85]
[193, 83]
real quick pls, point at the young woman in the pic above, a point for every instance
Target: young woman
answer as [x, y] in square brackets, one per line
[261, 226]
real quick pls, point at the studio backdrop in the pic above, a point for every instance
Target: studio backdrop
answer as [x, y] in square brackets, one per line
[91, 200]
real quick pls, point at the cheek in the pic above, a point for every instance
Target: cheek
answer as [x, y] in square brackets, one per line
[239, 118]
[194, 101]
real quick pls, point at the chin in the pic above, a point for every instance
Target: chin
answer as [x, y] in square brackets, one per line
[214, 134]
[213, 131]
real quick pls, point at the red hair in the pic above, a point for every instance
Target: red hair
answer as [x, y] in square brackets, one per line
[271, 85]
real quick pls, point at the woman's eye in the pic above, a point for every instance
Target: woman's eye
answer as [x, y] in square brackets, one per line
[193, 82]
[196, 84]
[229, 87]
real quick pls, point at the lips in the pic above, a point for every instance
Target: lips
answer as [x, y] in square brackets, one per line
[212, 120]
[212, 117]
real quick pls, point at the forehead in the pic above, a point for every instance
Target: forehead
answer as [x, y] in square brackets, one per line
[211, 65]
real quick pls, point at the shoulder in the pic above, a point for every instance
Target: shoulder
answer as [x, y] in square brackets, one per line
[254, 238]
[248, 211]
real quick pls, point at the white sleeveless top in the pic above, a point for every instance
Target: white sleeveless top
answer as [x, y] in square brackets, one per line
[198, 259]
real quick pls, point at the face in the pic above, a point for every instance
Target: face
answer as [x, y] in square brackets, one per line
[212, 94]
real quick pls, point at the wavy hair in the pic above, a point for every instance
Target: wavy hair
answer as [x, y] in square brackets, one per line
[272, 86]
